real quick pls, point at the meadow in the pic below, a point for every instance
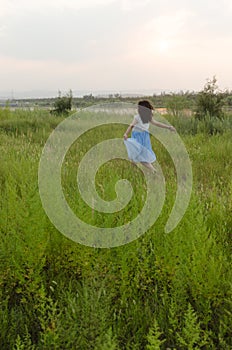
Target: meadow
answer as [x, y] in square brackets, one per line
[161, 291]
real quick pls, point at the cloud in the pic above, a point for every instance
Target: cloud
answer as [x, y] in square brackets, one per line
[133, 5]
[170, 25]
[15, 7]
[22, 6]
[2, 30]
[68, 36]
[50, 74]
[105, 43]
[161, 34]
[53, 74]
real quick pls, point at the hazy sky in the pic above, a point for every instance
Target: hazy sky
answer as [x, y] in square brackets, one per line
[114, 44]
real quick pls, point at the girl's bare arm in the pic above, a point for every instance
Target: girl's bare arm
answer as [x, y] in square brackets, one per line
[129, 129]
[161, 125]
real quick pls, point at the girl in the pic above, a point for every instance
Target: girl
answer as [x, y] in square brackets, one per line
[139, 145]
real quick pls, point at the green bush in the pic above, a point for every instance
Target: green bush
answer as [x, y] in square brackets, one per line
[176, 103]
[210, 101]
[63, 104]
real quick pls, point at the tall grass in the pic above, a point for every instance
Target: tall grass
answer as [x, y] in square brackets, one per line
[160, 291]
[208, 126]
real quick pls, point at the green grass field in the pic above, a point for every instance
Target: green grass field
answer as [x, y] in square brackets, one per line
[162, 291]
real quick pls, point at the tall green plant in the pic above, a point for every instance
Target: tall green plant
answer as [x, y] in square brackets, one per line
[154, 338]
[63, 104]
[176, 103]
[210, 101]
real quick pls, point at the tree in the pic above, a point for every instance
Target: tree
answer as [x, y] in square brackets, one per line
[89, 97]
[176, 103]
[63, 104]
[210, 101]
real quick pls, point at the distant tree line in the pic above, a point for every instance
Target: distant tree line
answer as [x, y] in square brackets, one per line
[209, 103]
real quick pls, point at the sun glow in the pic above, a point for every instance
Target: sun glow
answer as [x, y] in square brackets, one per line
[163, 46]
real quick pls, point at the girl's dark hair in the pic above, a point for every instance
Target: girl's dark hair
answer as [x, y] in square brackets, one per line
[145, 111]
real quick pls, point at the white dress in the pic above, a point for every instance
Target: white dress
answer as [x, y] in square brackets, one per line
[139, 145]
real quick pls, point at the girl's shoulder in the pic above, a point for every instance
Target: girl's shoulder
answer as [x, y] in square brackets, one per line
[137, 117]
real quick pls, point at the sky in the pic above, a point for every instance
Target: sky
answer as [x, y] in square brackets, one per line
[113, 45]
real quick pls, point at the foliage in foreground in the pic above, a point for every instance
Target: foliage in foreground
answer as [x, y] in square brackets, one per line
[160, 291]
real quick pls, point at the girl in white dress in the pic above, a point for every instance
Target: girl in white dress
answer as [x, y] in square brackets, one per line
[139, 145]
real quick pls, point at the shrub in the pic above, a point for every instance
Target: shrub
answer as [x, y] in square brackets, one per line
[176, 103]
[210, 101]
[63, 104]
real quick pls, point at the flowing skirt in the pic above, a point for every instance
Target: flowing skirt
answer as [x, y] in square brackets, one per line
[139, 147]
